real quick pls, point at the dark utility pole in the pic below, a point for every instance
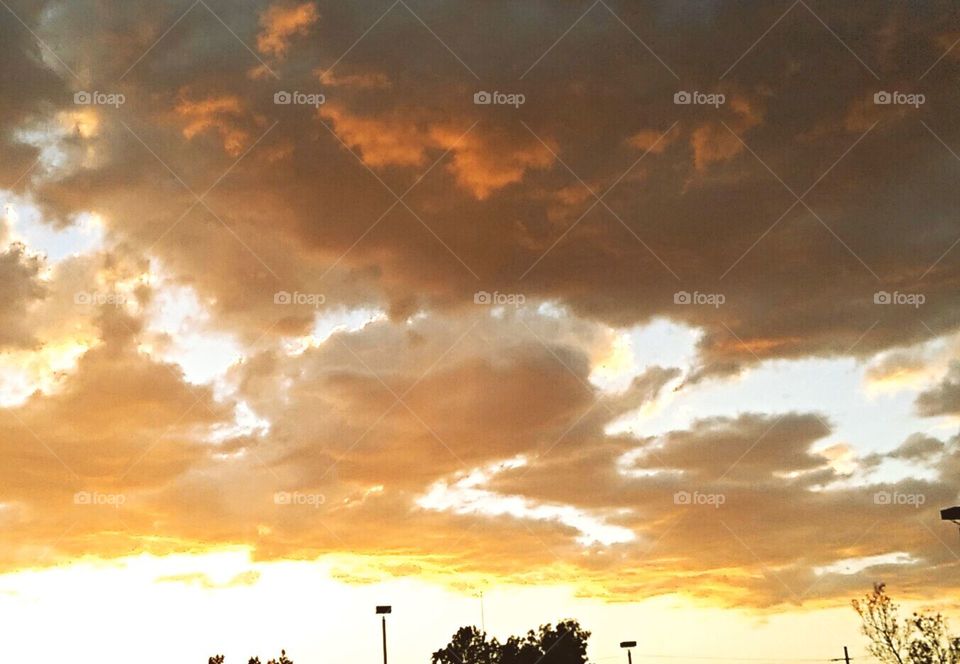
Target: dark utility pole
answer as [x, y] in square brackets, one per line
[384, 640]
[383, 611]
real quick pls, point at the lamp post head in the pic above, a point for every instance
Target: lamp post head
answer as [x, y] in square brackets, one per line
[950, 514]
[628, 644]
[384, 610]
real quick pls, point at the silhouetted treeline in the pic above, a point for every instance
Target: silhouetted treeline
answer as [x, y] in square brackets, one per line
[218, 659]
[564, 644]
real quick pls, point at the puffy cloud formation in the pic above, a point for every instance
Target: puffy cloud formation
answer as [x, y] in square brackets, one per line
[943, 399]
[281, 23]
[422, 287]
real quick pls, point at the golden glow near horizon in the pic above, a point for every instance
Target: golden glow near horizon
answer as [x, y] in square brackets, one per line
[321, 611]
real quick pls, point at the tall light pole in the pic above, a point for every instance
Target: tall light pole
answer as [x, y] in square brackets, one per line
[383, 611]
[628, 645]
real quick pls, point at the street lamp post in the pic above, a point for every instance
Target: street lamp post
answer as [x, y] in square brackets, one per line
[628, 645]
[383, 611]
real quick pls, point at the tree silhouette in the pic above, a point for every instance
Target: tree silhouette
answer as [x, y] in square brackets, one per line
[468, 646]
[283, 659]
[921, 639]
[564, 644]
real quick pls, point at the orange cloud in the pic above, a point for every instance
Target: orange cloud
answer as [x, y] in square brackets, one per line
[281, 23]
[221, 114]
[486, 162]
[652, 141]
[382, 142]
[482, 162]
[712, 142]
[363, 80]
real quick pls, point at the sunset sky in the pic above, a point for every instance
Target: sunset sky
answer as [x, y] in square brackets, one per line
[642, 313]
